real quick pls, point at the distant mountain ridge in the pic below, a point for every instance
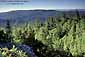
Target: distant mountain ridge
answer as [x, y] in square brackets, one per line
[21, 16]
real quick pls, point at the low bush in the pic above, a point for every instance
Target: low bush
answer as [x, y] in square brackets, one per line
[5, 52]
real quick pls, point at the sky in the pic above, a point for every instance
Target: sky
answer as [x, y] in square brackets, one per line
[41, 4]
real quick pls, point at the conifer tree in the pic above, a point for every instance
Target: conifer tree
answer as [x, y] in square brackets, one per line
[9, 37]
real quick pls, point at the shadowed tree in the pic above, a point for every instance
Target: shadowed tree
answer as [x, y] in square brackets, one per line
[9, 37]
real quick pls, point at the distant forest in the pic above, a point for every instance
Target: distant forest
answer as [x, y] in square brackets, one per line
[60, 36]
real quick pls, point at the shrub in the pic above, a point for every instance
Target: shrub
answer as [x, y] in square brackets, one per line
[5, 52]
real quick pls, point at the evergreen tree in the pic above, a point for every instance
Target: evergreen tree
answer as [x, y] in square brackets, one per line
[9, 37]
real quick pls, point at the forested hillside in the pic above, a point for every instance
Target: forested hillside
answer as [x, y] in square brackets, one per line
[62, 36]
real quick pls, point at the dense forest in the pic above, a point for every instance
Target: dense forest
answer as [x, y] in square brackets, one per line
[62, 36]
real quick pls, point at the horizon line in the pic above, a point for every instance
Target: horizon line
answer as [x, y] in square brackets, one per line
[37, 9]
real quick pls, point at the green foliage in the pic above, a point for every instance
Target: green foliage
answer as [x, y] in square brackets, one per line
[5, 52]
[66, 33]
[6, 36]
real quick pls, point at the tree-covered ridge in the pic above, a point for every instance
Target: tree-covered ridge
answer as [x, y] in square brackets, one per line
[62, 36]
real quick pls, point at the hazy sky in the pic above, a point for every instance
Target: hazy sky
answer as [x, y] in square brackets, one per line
[43, 4]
